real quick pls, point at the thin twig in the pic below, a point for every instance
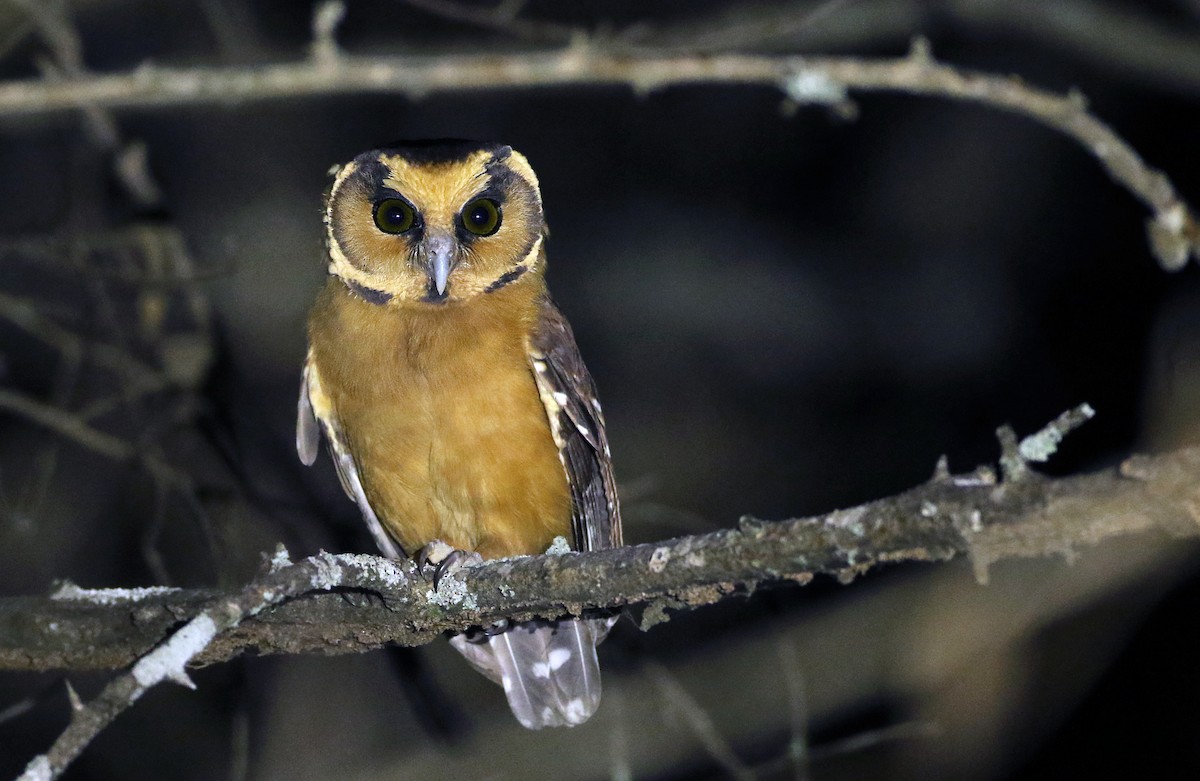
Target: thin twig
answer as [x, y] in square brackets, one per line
[1040, 446]
[908, 730]
[150, 534]
[12, 36]
[27, 315]
[618, 739]
[45, 457]
[239, 742]
[234, 29]
[698, 721]
[116, 254]
[129, 161]
[793, 679]
[72, 427]
[502, 18]
[18, 708]
[743, 27]
[67, 425]
[1125, 38]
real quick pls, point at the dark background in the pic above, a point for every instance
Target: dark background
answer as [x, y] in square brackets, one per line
[785, 314]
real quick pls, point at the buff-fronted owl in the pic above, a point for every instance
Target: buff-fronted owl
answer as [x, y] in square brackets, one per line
[457, 409]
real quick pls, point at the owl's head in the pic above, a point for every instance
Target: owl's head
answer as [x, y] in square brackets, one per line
[434, 222]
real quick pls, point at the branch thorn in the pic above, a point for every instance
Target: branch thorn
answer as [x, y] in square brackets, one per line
[919, 51]
[73, 698]
[941, 470]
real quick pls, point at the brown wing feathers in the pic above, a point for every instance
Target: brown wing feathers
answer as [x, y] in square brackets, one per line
[570, 395]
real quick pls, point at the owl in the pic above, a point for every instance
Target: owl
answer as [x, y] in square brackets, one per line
[458, 412]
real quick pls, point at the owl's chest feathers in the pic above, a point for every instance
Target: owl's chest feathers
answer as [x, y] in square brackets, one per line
[443, 417]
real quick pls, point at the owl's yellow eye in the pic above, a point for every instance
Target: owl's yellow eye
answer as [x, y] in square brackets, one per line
[482, 217]
[393, 215]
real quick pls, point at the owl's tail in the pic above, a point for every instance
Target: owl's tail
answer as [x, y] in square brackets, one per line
[548, 669]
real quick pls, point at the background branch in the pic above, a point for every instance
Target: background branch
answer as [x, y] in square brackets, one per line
[1122, 37]
[1174, 230]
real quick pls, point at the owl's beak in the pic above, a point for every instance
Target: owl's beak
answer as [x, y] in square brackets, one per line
[439, 254]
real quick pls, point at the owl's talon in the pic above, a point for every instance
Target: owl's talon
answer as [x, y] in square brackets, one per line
[498, 628]
[454, 561]
[434, 553]
[442, 559]
[480, 635]
[444, 565]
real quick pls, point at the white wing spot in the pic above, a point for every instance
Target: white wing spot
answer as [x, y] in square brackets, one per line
[584, 431]
[547, 715]
[596, 404]
[558, 657]
[576, 712]
[560, 398]
[541, 670]
[507, 683]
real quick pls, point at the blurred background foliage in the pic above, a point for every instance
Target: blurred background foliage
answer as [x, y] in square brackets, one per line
[785, 314]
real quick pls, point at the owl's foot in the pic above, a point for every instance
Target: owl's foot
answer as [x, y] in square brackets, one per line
[437, 559]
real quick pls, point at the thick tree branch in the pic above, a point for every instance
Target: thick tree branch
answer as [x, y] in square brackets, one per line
[381, 601]
[1025, 515]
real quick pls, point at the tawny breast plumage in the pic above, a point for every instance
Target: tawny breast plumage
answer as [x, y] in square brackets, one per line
[442, 413]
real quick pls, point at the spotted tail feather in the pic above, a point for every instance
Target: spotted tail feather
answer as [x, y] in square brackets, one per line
[548, 669]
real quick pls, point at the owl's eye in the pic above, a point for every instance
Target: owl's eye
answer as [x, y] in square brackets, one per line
[482, 217]
[393, 215]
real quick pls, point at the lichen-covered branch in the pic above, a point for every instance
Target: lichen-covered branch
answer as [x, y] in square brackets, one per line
[161, 631]
[168, 660]
[1173, 229]
[379, 601]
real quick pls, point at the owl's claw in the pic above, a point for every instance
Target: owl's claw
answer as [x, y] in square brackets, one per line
[444, 560]
[456, 560]
[480, 635]
[432, 553]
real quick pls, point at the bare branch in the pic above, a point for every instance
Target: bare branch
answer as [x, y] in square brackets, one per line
[169, 660]
[1174, 229]
[1027, 515]
[952, 515]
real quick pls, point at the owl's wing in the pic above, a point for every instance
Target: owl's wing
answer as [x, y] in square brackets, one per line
[577, 423]
[314, 413]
